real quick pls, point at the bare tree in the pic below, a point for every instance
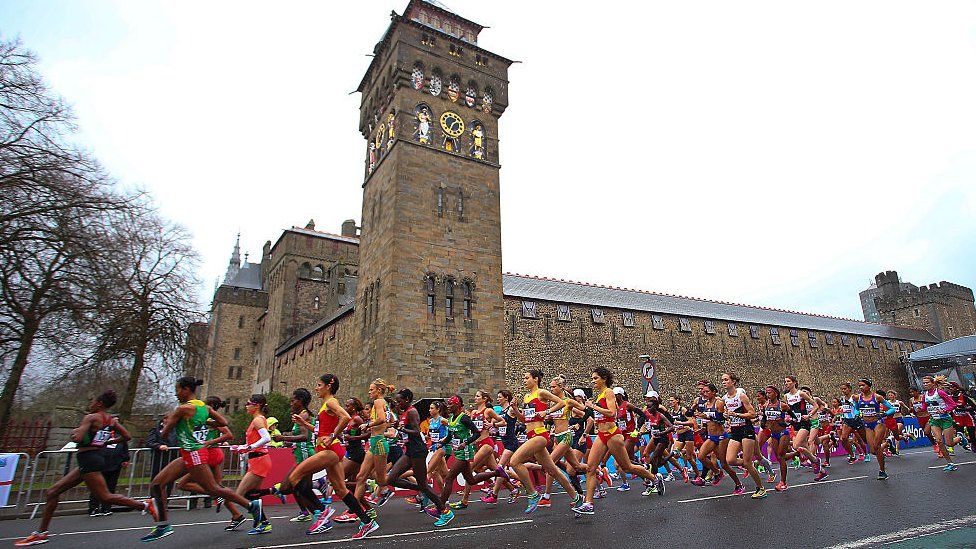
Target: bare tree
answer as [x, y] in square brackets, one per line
[149, 300]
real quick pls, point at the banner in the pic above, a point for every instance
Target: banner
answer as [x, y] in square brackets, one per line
[8, 468]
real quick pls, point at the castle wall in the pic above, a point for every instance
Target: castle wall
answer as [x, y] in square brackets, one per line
[332, 349]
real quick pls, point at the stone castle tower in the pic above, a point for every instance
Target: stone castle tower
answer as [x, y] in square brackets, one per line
[429, 304]
[944, 309]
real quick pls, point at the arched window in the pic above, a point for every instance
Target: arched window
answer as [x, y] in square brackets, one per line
[315, 303]
[318, 272]
[449, 297]
[466, 298]
[430, 288]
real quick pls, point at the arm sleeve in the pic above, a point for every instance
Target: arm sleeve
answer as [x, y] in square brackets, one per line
[265, 439]
[891, 408]
[466, 421]
[949, 401]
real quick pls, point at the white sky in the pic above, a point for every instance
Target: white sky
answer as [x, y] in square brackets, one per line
[771, 153]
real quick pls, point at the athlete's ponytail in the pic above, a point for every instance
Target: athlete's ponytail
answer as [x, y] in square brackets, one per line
[215, 402]
[604, 374]
[332, 382]
[485, 395]
[384, 387]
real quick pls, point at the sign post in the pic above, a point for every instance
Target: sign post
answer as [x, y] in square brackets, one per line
[648, 368]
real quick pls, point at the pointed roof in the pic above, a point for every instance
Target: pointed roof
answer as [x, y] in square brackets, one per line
[234, 265]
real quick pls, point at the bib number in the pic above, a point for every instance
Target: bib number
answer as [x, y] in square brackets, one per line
[529, 413]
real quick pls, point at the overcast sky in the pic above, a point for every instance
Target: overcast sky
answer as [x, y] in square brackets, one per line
[769, 153]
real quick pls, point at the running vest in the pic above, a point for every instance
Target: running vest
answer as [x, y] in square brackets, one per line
[936, 404]
[303, 449]
[507, 432]
[795, 403]
[408, 438]
[919, 406]
[870, 408]
[601, 401]
[653, 421]
[185, 427]
[848, 408]
[98, 438]
[533, 407]
[326, 424]
[251, 436]
[734, 404]
[459, 431]
[773, 412]
[712, 414]
[478, 417]
[437, 430]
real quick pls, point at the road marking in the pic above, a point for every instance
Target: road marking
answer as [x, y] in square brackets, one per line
[174, 525]
[399, 535]
[954, 463]
[909, 533]
[771, 490]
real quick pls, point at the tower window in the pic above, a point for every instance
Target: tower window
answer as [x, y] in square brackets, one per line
[315, 303]
[429, 285]
[466, 295]
[709, 326]
[237, 353]
[829, 338]
[460, 204]
[627, 317]
[657, 322]
[230, 373]
[440, 202]
[733, 329]
[754, 331]
[240, 322]
[528, 309]
[774, 336]
[812, 337]
[563, 314]
[237, 373]
[598, 316]
[916, 312]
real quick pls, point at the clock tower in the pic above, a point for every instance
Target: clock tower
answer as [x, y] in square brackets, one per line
[429, 297]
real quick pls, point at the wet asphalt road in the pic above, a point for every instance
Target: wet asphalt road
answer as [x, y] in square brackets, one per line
[907, 510]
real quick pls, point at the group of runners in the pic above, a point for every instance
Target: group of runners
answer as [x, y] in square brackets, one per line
[360, 452]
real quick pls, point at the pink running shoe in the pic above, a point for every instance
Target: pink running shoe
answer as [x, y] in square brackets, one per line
[739, 490]
[781, 486]
[490, 499]
[698, 481]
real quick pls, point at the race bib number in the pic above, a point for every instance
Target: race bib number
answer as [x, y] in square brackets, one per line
[598, 416]
[101, 437]
[773, 414]
[435, 436]
[480, 424]
[456, 443]
[529, 413]
[736, 421]
[622, 424]
[200, 435]
[846, 408]
[502, 430]
[522, 438]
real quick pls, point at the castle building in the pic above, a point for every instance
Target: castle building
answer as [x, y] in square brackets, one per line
[868, 306]
[416, 295]
[944, 309]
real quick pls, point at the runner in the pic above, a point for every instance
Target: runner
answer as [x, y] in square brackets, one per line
[211, 437]
[658, 426]
[332, 420]
[962, 415]
[437, 434]
[798, 401]
[917, 401]
[562, 438]
[462, 433]
[775, 417]
[940, 405]
[853, 423]
[742, 433]
[609, 439]
[258, 461]
[185, 419]
[869, 405]
[895, 422]
[304, 441]
[684, 443]
[93, 434]
[414, 457]
[712, 410]
[486, 420]
[535, 404]
[817, 411]
[507, 434]
[375, 462]
[627, 423]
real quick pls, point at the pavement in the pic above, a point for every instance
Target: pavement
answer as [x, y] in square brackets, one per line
[918, 506]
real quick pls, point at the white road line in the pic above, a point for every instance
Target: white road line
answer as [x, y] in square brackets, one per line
[399, 535]
[772, 491]
[146, 527]
[955, 462]
[909, 533]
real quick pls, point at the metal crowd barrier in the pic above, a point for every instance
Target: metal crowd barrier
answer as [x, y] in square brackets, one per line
[35, 475]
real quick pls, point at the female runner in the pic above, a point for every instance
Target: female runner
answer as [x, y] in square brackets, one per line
[332, 419]
[815, 410]
[535, 405]
[775, 414]
[258, 459]
[962, 414]
[304, 441]
[562, 437]
[717, 440]
[437, 434]
[658, 426]
[93, 434]
[627, 423]
[684, 444]
[742, 434]
[188, 417]
[797, 400]
[762, 436]
[211, 437]
[375, 462]
[508, 436]
[917, 402]
[853, 423]
[940, 405]
[609, 439]
[414, 456]
[869, 405]
[485, 419]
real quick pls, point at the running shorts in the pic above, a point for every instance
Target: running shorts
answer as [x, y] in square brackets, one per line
[564, 437]
[216, 457]
[718, 438]
[802, 424]
[963, 419]
[923, 421]
[356, 453]
[415, 449]
[686, 436]
[487, 441]
[378, 445]
[605, 436]
[196, 457]
[941, 422]
[538, 432]
[814, 424]
[260, 464]
[741, 432]
[779, 435]
[854, 422]
[335, 447]
[510, 444]
[395, 453]
[660, 440]
[891, 423]
[91, 461]
[871, 424]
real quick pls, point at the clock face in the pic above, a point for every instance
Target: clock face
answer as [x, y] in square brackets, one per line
[452, 124]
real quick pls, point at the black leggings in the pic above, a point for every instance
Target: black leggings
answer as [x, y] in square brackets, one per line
[302, 491]
[419, 466]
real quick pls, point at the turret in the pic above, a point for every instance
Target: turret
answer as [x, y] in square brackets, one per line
[888, 284]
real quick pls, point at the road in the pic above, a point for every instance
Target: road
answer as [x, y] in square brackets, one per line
[918, 506]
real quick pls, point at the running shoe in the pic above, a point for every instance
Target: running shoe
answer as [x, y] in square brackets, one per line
[347, 516]
[670, 477]
[276, 491]
[366, 529]
[577, 501]
[781, 486]
[795, 463]
[759, 493]
[263, 528]
[867, 458]
[219, 503]
[371, 485]
[649, 490]
[659, 484]
[444, 519]
[601, 493]
[257, 510]
[606, 478]
[584, 509]
[513, 495]
[150, 507]
[321, 518]
[458, 505]
[36, 538]
[820, 476]
[882, 475]
[545, 502]
[369, 498]
[490, 499]
[158, 532]
[615, 476]
[320, 528]
[384, 497]
[624, 487]
[301, 517]
[698, 481]
[533, 500]
[950, 467]
[413, 500]
[852, 459]
[235, 523]
[716, 480]
[739, 490]
[684, 475]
